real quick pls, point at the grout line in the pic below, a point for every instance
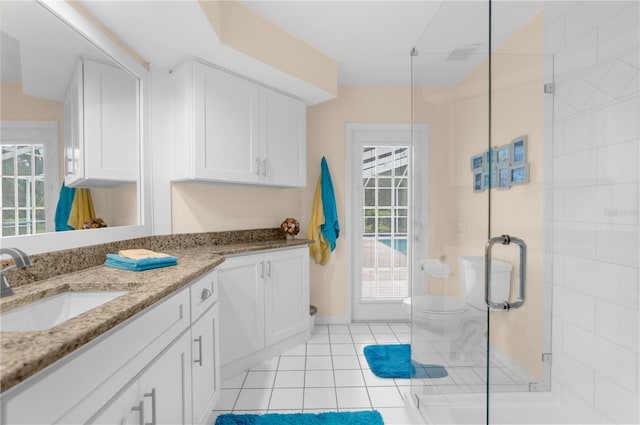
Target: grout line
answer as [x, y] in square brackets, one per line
[246, 373]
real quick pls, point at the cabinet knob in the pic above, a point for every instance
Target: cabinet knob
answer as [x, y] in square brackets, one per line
[206, 293]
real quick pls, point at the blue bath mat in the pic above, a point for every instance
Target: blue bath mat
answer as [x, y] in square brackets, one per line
[367, 417]
[394, 361]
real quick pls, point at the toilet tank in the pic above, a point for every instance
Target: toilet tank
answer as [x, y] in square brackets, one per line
[472, 280]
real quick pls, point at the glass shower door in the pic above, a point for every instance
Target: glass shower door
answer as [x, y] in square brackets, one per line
[485, 114]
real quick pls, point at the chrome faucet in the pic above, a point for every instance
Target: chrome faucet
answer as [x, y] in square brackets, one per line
[21, 259]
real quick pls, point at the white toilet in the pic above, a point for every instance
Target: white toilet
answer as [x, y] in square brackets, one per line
[461, 323]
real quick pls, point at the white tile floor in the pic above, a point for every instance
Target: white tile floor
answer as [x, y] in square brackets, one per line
[327, 373]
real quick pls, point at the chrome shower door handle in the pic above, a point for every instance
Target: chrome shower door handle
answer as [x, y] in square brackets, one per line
[505, 240]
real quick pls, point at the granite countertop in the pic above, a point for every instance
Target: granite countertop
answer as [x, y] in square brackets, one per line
[22, 354]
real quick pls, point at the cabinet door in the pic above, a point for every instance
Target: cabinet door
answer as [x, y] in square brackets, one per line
[282, 139]
[287, 294]
[241, 303]
[226, 133]
[125, 409]
[73, 128]
[165, 385]
[111, 137]
[205, 363]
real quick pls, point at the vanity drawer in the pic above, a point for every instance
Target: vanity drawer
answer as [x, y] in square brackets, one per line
[204, 293]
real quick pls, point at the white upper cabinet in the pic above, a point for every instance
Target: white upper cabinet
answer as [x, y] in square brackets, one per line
[282, 139]
[229, 129]
[101, 133]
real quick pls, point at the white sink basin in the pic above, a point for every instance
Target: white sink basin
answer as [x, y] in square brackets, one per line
[51, 311]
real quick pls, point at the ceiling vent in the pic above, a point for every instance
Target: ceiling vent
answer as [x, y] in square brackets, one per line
[462, 53]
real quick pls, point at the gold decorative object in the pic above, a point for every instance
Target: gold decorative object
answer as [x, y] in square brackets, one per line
[96, 223]
[291, 227]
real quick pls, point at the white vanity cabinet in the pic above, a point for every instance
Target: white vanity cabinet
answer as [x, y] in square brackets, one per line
[205, 347]
[264, 306]
[229, 129]
[101, 131]
[161, 366]
[159, 395]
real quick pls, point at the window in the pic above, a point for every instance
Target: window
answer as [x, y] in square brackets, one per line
[23, 190]
[385, 210]
[29, 177]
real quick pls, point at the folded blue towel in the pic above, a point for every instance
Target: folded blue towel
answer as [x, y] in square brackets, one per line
[120, 262]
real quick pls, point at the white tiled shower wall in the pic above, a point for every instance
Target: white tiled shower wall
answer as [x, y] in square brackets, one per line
[592, 204]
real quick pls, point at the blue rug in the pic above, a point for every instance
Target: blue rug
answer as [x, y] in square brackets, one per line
[367, 417]
[394, 361]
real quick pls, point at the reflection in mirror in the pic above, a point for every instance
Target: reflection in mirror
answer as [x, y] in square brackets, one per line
[69, 113]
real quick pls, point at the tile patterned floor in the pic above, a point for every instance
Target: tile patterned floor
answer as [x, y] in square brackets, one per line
[328, 373]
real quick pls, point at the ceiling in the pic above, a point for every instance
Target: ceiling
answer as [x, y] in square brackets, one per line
[370, 40]
[39, 50]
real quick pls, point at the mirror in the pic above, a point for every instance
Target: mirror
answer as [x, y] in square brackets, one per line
[49, 50]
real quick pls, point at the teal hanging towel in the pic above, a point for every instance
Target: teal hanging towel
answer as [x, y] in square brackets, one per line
[331, 228]
[63, 209]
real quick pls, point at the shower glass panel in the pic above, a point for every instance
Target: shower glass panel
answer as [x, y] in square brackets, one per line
[450, 95]
[486, 118]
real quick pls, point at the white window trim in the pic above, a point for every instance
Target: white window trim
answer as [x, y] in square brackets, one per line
[39, 133]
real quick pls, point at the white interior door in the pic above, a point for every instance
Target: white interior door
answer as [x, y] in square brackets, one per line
[385, 193]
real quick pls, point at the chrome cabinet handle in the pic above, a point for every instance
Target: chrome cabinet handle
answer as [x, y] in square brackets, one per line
[199, 341]
[152, 394]
[262, 270]
[268, 268]
[264, 167]
[206, 293]
[505, 240]
[140, 409]
[257, 166]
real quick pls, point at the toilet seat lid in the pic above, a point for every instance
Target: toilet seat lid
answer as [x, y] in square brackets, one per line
[442, 304]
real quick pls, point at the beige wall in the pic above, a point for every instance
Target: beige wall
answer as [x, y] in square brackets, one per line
[14, 105]
[117, 206]
[326, 137]
[208, 207]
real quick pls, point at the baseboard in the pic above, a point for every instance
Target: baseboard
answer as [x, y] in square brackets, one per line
[207, 417]
[332, 320]
[341, 320]
[239, 365]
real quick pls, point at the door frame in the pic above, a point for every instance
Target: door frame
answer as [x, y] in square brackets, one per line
[418, 143]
